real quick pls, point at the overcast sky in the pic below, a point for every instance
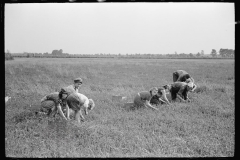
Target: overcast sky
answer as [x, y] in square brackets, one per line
[89, 28]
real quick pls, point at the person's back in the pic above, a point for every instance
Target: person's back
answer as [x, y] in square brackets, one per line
[182, 76]
[181, 72]
[82, 97]
[53, 96]
[145, 95]
[48, 102]
[77, 102]
[143, 98]
[176, 86]
[70, 89]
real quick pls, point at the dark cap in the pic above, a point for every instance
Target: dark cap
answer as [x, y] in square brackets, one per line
[78, 80]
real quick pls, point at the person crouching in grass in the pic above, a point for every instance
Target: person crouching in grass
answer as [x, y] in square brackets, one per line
[52, 103]
[78, 102]
[183, 76]
[180, 90]
[161, 97]
[142, 99]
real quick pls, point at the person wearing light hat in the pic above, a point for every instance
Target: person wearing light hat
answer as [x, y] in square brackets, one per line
[180, 90]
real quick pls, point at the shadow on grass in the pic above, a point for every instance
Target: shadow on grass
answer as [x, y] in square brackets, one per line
[23, 116]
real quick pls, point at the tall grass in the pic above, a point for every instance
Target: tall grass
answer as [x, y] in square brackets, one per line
[202, 128]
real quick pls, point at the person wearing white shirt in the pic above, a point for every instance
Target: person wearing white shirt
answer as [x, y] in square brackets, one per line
[78, 102]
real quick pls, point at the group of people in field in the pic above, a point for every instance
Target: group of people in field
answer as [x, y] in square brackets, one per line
[182, 84]
[68, 100]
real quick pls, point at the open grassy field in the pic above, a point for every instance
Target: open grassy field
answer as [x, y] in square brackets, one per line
[202, 128]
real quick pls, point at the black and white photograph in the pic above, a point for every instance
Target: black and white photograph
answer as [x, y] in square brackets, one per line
[119, 79]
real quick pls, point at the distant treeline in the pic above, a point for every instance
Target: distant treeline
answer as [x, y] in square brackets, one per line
[223, 53]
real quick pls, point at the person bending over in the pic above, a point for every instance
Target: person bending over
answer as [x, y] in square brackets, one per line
[74, 88]
[143, 98]
[65, 91]
[52, 103]
[78, 102]
[180, 90]
[183, 76]
[161, 97]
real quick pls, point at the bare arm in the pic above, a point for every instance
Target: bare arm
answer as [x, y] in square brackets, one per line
[192, 79]
[67, 109]
[147, 104]
[85, 107]
[44, 99]
[180, 98]
[80, 113]
[85, 110]
[187, 99]
[165, 100]
[68, 114]
[60, 111]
